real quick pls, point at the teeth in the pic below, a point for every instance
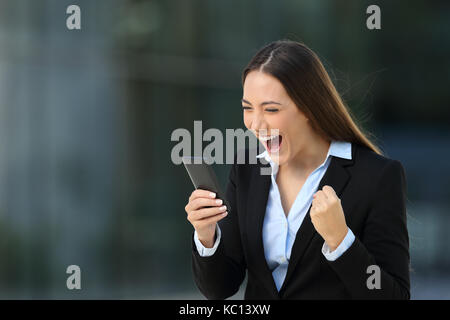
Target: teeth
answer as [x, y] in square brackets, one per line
[268, 138]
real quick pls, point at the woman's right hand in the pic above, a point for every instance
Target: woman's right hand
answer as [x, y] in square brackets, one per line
[204, 219]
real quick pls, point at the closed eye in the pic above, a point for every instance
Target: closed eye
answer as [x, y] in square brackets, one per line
[268, 109]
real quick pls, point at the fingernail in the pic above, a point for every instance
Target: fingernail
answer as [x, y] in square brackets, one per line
[225, 213]
[212, 194]
[223, 207]
[219, 201]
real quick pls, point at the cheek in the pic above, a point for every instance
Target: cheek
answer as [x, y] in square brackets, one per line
[295, 131]
[296, 126]
[284, 123]
[247, 121]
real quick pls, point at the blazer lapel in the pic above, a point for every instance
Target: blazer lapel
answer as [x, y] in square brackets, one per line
[260, 186]
[337, 177]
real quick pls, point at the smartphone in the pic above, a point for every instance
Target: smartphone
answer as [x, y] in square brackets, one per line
[203, 177]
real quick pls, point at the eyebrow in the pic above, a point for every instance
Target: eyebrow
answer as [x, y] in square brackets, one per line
[262, 103]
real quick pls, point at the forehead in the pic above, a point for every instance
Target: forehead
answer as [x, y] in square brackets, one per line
[261, 86]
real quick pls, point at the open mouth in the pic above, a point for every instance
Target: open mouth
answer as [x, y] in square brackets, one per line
[273, 144]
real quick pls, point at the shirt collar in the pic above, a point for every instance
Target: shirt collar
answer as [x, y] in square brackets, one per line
[341, 149]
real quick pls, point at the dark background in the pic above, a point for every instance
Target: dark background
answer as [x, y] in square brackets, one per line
[86, 117]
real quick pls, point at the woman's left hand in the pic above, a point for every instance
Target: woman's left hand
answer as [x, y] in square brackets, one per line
[328, 217]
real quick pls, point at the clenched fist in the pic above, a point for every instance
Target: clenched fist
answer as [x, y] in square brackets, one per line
[328, 217]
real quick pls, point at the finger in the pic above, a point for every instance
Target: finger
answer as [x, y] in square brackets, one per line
[320, 196]
[320, 200]
[329, 192]
[315, 202]
[317, 206]
[199, 203]
[314, 210]
[314, 206]
[206, 213]
[332, 196]
[210, 220]
[199, 193]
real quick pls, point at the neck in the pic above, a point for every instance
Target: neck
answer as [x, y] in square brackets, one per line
[309, 158]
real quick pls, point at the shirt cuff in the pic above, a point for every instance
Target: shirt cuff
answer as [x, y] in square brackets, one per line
[202, 250]
[345, 244]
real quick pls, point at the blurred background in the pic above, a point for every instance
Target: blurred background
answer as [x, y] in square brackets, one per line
[86, 117]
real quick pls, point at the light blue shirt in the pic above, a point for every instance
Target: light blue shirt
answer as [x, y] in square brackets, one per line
[279, 231]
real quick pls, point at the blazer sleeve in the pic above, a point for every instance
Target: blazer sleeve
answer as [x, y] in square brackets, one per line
[384, 243]
[219, 276]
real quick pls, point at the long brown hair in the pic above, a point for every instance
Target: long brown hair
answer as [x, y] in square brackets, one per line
[308, 84]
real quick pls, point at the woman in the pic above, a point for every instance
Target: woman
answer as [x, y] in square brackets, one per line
[329, 222]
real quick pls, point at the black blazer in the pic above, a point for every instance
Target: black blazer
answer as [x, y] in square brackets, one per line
[372, 189]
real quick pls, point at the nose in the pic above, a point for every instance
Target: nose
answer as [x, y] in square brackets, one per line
[258, 125]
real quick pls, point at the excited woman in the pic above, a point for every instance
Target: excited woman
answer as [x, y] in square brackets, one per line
[329, 222]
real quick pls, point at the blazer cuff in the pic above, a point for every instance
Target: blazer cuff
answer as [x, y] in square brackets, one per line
[345, 244]
[201, 249]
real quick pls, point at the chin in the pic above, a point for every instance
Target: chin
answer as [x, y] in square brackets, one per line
[279, 159]
[281, 162]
